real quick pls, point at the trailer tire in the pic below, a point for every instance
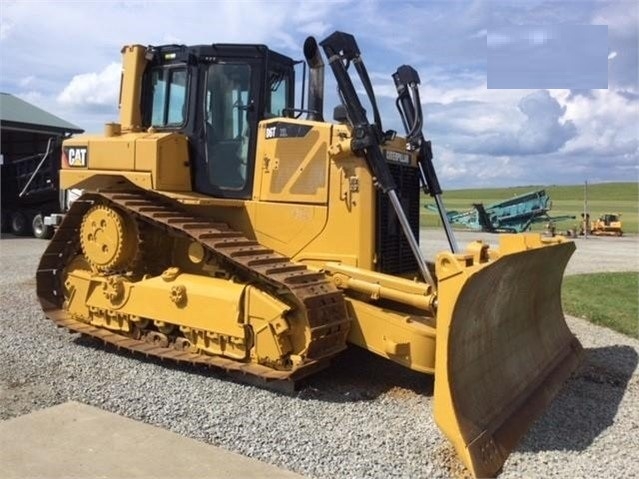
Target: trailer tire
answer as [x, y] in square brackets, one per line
[5, 225]
[20, 224]
[40, 230]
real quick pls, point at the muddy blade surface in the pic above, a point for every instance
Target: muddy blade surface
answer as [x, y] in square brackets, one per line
[503, 352]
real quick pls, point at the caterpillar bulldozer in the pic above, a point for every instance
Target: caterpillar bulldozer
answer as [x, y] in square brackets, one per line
[221, 225]
[608, 224]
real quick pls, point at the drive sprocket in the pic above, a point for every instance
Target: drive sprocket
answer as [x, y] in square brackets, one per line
[109, 239]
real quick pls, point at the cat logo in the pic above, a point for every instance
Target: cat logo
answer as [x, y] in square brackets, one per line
[77, 156]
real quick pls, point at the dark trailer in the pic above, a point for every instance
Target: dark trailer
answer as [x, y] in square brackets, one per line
[30, 147]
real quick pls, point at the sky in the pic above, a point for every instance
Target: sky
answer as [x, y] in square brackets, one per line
[514, 92]
[548, 56]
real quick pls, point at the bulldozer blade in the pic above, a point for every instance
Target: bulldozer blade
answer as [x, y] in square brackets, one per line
[503, 346]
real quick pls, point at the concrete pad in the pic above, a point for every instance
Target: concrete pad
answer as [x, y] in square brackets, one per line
[74, 440]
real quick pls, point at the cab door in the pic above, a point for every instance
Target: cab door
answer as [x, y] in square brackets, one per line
[230, 122]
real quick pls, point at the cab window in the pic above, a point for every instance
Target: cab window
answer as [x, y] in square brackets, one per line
[169, 97]
[278, 94]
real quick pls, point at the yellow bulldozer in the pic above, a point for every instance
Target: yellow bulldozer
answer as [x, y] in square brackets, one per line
[222, 225]
[608, 224]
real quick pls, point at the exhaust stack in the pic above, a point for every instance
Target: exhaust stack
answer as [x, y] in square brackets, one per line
[133, 63]
[316, 80]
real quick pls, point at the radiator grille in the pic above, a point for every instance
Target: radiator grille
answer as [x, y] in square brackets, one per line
[394, 255]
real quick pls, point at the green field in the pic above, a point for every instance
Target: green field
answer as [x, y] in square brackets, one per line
[608, 299]
[566, 200]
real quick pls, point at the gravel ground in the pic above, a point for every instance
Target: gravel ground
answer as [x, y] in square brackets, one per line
[363, 417]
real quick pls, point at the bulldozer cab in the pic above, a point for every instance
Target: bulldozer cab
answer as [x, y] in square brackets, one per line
[216, 95]
[608, 219]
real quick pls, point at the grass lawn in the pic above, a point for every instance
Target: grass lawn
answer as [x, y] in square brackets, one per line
[607, 299]
[566, 200]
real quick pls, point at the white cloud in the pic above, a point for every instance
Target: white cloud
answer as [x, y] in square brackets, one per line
[480, 33]
[612, 55]
[26, 81]
[93, 89]
[314, 28]
[5, 29]
[498, 39]
[455, 168]
[172, 39]
[34, 97]
[532, 127]
[606, 121]
[620, 16]
[304, 12]
[285, 40]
